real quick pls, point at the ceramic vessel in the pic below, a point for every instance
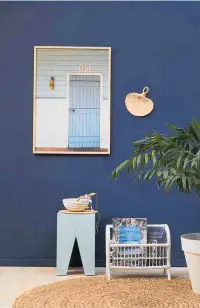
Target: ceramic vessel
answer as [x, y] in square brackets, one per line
[191, 247]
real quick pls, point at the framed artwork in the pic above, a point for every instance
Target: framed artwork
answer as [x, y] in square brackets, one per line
[71, 100]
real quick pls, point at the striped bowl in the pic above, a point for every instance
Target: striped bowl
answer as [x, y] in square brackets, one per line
[75, 204]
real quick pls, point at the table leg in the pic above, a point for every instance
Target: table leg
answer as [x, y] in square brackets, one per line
[85, 234]
[65, 244]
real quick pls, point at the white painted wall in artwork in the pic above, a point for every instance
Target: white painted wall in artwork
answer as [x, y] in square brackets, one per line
[104, 124]
[51, 123]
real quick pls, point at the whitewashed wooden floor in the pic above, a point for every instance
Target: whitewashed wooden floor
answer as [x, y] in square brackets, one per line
[16, 280]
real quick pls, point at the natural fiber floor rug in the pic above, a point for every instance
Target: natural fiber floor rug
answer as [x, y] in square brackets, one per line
[116, 293]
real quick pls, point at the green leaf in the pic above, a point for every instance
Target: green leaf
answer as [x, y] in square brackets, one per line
[116, 171]
[152, 173]
[173, 127]
[138, 160]
[153, 154]
[146, 158]
[194, 163]
[169, 183]
[186, 162]
[159, 173]
[149, 174]
[146, 175]
[134, 162]
[193, 131]
[165, 174]
[184, 182]
[189, 182]
[179, 161]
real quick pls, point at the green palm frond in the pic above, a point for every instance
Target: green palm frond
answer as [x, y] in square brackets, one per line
[173, 160]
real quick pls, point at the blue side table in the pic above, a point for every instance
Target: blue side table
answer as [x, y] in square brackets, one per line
[71, 226]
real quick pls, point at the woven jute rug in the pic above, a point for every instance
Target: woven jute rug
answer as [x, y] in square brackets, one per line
[116, 293]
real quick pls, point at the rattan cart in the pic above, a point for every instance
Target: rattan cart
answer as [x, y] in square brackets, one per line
[138, 256]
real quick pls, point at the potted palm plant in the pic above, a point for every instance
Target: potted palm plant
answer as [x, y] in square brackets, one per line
[174, 161]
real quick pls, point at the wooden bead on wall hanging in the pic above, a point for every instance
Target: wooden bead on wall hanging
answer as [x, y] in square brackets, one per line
[138, 104]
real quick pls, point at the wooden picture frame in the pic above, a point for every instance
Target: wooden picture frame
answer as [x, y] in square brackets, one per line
[71, 100]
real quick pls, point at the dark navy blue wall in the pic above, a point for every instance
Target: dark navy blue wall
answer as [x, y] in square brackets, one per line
[154, 44]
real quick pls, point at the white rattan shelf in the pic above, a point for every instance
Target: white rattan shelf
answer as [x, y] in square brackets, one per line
[150, 256]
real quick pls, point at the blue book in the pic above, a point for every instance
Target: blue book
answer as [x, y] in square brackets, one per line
[157, 235]
[129, 234]
[129, 231]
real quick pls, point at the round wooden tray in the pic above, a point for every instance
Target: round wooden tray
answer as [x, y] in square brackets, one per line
[84, 212]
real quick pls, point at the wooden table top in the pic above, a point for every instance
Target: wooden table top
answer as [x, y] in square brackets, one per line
[85, 212]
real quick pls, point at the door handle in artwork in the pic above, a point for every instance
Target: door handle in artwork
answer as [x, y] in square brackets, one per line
[71, 109]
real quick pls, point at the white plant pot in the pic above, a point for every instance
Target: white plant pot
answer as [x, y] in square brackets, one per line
[191, 247]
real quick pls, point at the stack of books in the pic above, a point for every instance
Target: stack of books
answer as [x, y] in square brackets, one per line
[135, 231]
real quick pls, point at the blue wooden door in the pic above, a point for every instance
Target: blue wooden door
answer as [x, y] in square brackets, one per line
[84, 111]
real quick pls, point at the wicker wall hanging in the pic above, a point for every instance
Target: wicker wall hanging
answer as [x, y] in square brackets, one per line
[138, 104]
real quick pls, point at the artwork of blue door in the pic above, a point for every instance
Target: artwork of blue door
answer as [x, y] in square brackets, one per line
[84, 111]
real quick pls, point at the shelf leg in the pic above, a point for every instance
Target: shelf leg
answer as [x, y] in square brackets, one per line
[169, 273]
